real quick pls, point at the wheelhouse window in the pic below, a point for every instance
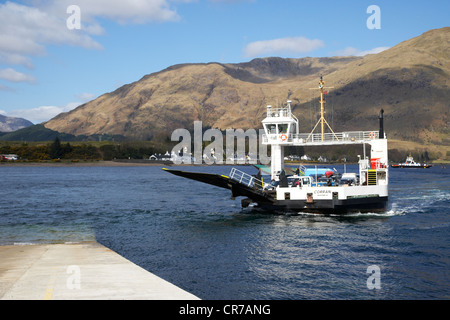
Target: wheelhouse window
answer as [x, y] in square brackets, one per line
[271, 128]
[283, 128]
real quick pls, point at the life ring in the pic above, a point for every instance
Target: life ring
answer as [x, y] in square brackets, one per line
[372, 135]
[283, 137]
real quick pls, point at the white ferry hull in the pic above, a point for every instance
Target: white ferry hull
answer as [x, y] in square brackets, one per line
[333, 198]
[378, 205]
[335, 206]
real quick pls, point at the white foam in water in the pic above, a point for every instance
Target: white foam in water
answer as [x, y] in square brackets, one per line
[393, 212]
[414, 207]
[307, 214]
[389, 213]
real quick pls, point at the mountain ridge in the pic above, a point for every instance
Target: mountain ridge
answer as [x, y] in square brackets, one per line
[10, 124]
[410, 81]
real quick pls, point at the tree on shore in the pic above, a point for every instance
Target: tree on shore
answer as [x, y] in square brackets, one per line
[55, 151]
[58, 151]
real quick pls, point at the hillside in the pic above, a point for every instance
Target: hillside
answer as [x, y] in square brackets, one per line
[409, 81]
[36, 132]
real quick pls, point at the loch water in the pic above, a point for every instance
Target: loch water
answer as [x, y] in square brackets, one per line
[196, 237]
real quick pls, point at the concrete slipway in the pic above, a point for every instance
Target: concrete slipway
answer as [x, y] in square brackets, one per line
[82, 271]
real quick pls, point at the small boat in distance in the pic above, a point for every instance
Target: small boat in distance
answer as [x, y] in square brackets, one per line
[410, 163]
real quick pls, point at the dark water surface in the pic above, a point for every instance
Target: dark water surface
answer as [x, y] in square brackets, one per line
[194, 236]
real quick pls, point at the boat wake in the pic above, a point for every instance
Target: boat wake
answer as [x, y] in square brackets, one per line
[389, 213]
[386, 214]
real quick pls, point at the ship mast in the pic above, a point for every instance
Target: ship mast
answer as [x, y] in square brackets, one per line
[322, 119]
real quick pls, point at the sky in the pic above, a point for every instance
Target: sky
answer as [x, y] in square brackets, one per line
[57, 55]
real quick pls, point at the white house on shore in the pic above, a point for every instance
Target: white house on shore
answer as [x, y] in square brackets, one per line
[161, 157]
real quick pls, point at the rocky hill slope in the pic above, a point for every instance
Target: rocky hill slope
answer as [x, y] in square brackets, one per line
[10, 124]
[409, 81]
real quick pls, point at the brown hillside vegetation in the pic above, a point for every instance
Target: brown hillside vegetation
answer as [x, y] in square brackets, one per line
[409, 81]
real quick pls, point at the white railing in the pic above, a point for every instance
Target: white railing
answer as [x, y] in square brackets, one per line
[245, 178]
[284, 112]
[316, 138]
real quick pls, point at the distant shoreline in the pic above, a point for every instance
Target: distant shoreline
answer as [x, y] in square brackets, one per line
[100, 163]
[145, 163]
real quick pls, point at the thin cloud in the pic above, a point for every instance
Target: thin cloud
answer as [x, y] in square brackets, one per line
[6, 88]
[295, 45]
[26, 30]
[43, 113]
[230, 1]
[124, 12]
[12, 75]
[350, 51]
[85, 96]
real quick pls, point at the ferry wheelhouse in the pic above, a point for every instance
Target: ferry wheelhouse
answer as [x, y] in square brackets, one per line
[311, 189]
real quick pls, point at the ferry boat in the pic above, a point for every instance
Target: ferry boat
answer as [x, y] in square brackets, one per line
[307, 189]
[410, 163]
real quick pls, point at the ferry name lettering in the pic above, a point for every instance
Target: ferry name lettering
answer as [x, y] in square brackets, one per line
[322, 192]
